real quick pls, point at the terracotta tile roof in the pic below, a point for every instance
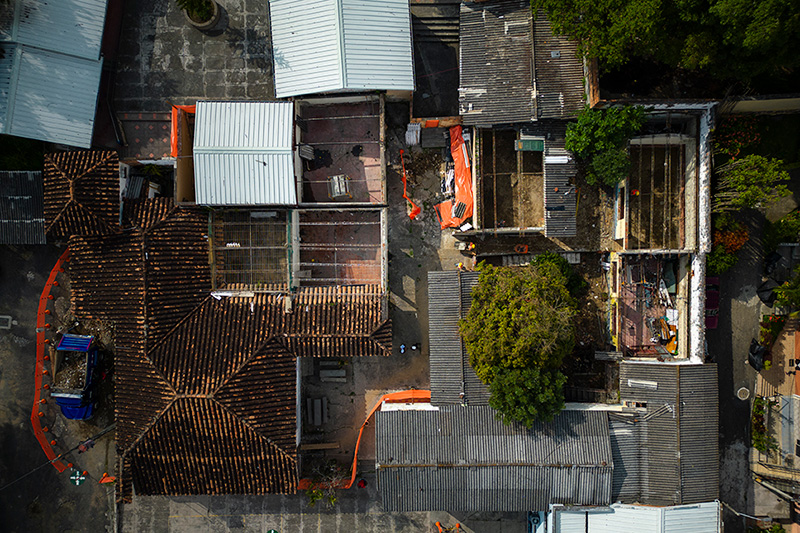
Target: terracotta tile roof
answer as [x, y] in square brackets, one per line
[201, 410]
[143, 213]
[81, 193]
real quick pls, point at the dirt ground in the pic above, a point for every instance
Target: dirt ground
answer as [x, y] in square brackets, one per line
[591, 334]
[44, 500]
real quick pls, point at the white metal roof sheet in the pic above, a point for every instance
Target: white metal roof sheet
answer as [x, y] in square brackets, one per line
[621, 518]
[52, 97]
[73, 27]
[243, 153]
[377, 45]
[337, 45]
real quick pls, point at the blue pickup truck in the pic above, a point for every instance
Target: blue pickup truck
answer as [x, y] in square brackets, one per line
[75, 376]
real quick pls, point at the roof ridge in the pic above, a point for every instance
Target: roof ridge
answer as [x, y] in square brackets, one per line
[155, 420]
[161, 222]
[251, 428]
[387, 323]
[100, 161]
[255, 353]
[180, 322]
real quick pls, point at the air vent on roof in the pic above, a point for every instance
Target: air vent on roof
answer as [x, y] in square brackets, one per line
[555, 54]
[642, 384]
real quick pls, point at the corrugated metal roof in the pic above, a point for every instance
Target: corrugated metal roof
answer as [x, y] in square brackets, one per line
[464, 458]
[21, 208]
[50, 73]
[620, 518]
[243, 153]
[340, 45]
[496, 63]
[560, 198]
[73, 27]
[453, 381]
[560, 89]
[377, 45]
[512, 68]
[680, 432]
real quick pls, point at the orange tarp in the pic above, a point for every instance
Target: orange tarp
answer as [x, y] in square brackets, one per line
[392, 397]
[463, 179]
[173, 138]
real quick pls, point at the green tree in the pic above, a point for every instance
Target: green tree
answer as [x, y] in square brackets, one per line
[749, 182]
[527, 395]
[788, 294]
[517, 333]
[599, 139]
[729, 38]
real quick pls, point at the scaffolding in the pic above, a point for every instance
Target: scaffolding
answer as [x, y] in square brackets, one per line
[250, 249]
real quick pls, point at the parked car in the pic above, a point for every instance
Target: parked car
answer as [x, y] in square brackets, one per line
[75, 376]
[712, 302]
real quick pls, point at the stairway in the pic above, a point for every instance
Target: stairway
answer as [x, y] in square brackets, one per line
[435, 23]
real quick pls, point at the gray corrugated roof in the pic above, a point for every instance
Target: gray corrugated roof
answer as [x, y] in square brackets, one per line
[512, 68]
[496, 55]
[560, 89]
[452, 379]
[680, 432]
[463, 458]
[559, 196]
[21, 208]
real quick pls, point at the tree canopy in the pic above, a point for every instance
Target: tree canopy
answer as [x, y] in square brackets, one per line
[600, 141]
[752, 181]
[517, 333]
[729, 38]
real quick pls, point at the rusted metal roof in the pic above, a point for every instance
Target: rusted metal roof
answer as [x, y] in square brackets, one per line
[206, 385]
[513, 69]
[81, 193]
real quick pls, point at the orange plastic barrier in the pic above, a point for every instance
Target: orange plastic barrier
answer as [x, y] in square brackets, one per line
[396, 397]
[415, 209]
[41, 325]
[463, 184]
[173, 136]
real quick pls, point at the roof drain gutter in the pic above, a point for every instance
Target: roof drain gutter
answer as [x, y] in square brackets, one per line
[697, 331]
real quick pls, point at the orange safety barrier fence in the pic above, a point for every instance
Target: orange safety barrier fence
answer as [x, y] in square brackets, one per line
[395, 397]
[41, 326]
[173, 136]
[415, 209]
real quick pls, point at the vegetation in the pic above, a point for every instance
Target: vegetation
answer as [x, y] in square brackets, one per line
[788, 294]
[517, 333]
[759, 436]
[327, 478]
[774, 528]
[771, 327]
[198, 10]
[735, 133]
[599, 139]
[729, 237]
[750, 182]
[728, 38]
[787, 229]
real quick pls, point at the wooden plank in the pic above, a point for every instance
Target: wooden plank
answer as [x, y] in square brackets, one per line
[320, 446]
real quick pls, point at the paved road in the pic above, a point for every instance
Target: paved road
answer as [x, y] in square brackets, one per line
[740, 311]
[44, 501]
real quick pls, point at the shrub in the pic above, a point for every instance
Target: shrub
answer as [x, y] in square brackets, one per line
[599, 140]
[787, 229]
[750, 182]
[719, 261]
